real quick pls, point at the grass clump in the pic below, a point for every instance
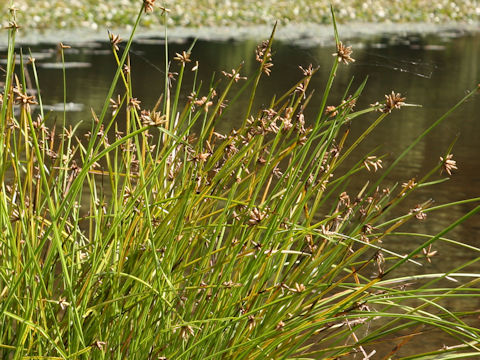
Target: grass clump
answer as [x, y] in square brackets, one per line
[147, 241]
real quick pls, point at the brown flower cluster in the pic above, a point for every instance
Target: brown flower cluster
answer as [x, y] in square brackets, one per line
[148, 5]
[393, 101]
[235, 75]
[448, 164]
[114, 40]
[184, 57]
[343, 53]
[372, 163]
[263, 55]
[23, 99]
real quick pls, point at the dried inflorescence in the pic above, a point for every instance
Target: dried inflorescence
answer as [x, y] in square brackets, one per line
[331, 111]
[393, 101]
[126, 70]
[263, 54]
[152, 118]
[62, 302]
[343, 53]
[23, 99]
[308, 71]
[100, 345]
[349, 103]
[230, 284]
[186, 331]
[256, 216]
[367, 229]
[62, 46]
[260, 50]
[12, 24]
[184, 57]
[418, 212]
[373, 162]
[148, 5]
[429, 253]
[235, 75]
[115, 105]
[204, 101]
[134, 103]
[380, 262]
[410, 184]
[448, 164]
[114, 40]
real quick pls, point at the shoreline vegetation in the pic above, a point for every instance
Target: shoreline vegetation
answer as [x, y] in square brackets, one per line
[53, 21]
[307, 34]
[157, 236]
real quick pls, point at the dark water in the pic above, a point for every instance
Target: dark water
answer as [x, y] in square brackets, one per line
[433, 72]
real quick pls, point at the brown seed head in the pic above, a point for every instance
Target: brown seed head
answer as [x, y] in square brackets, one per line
[380, 261]
[264, 55]
[410, 184]
[115, 104]
[331, 111]
[267, 68]
[63, 46]
[428, 253]
[299, 287]
[114, 40]
[23, 99]
[184, 57]
[374, 162]
[256, 216]
[134, 103]
[418, 212]
[343, 198]
[63, 303]
[152, 118]
[235, 75]
[148, 5]
[186, 331]
[260, 51]
[100, 345]
[308, 71]
[367, 229]
[394, 101]
[12, 25]
[251, 322]
[448, 164]
[343, 53]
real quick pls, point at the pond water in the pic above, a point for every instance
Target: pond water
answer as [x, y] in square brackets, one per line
[434, 72]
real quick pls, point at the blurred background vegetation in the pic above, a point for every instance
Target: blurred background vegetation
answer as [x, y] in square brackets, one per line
[48, 14]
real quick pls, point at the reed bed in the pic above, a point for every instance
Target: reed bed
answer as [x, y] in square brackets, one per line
[157, 243]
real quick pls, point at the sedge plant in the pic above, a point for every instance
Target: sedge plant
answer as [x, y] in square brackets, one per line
[148, 241]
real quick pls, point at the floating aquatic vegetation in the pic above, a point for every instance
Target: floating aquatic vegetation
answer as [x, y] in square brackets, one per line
[41, 14]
